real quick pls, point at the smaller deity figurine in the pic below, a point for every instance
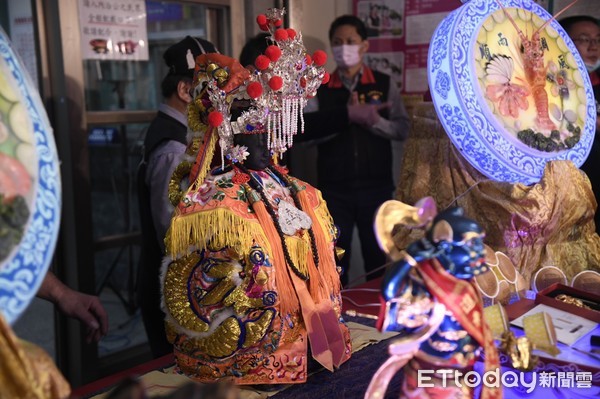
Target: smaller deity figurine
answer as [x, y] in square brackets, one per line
[519, 351]
[429, 298]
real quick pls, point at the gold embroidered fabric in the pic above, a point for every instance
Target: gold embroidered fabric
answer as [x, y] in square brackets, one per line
[549, 223]
[26, 371]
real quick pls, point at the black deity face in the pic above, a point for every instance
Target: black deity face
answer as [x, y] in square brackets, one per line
[260, 155]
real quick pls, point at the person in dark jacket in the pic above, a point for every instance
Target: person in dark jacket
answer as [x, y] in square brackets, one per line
[355, 116]
[164, 148]
[584, 30]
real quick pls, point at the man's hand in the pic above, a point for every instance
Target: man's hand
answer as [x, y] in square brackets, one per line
[88, 310]
[365, 114]
[85, 308]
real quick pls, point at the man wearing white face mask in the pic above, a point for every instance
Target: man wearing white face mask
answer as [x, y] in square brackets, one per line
[360, 111]
[164, 148]
[585, 32]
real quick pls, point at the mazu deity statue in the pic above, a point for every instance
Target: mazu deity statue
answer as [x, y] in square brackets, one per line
[428, 297]
[251, 289]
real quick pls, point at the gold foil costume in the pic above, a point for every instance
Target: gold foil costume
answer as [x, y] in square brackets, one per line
[26, 371]
[549, 223]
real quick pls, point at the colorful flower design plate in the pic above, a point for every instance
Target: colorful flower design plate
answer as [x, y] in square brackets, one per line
[511, 89]
[29, 171]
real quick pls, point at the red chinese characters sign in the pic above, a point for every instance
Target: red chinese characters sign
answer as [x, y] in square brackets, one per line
[113, 29]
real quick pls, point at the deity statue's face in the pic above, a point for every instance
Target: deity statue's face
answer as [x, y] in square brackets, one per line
[257, 144]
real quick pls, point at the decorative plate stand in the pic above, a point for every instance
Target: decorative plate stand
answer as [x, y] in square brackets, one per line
[510, 90]
[29, 170]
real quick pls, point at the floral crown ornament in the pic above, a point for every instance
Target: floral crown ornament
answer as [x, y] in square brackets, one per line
[277, 91]
[238, 153]
[286, 76]
[218, 81]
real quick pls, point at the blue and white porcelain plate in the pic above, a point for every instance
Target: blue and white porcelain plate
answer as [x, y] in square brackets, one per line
[511, 89]
[30, 190]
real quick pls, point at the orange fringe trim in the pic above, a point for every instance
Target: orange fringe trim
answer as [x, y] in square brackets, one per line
[316, 284]
[288, 299]
[327, 265]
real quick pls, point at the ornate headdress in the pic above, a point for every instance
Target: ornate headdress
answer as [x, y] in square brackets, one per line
[277, 92]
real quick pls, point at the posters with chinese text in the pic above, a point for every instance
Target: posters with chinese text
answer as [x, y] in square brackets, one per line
[590, 8]
[399, 33]
[113, 30]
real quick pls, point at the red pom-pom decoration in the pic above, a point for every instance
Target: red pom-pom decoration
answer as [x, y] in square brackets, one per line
[261, 20]
[262, 62]
[308, 59]
[275, 83]
[325, 78]
[320, 57]
[277, 22]
[264, 28]
[273, 52]
[254, 90]
[303, 82]
[215, 118]
[281, 34]
[291, 33]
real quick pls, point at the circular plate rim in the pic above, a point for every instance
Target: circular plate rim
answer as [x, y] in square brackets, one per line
[22, 274]
[507, 162]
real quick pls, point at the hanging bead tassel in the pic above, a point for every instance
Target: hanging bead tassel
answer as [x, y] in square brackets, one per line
[283, 121]
[301, 121]
[286, 122]
[269, 143]
[292, 131]
[279, 124]
[282, 132]
[295, 120]
[275, 131]
[290, 121]
[222, 145]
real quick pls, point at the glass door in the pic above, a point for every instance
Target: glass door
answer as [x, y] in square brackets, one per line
[121, 98]
[113, 89]
[100, 110]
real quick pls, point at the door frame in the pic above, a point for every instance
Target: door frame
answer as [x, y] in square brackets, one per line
[62, 89]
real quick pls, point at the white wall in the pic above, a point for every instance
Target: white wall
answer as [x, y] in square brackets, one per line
[313, 17]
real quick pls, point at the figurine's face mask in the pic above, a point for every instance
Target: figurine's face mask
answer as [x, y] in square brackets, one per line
[459, 242]
[468, 256]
